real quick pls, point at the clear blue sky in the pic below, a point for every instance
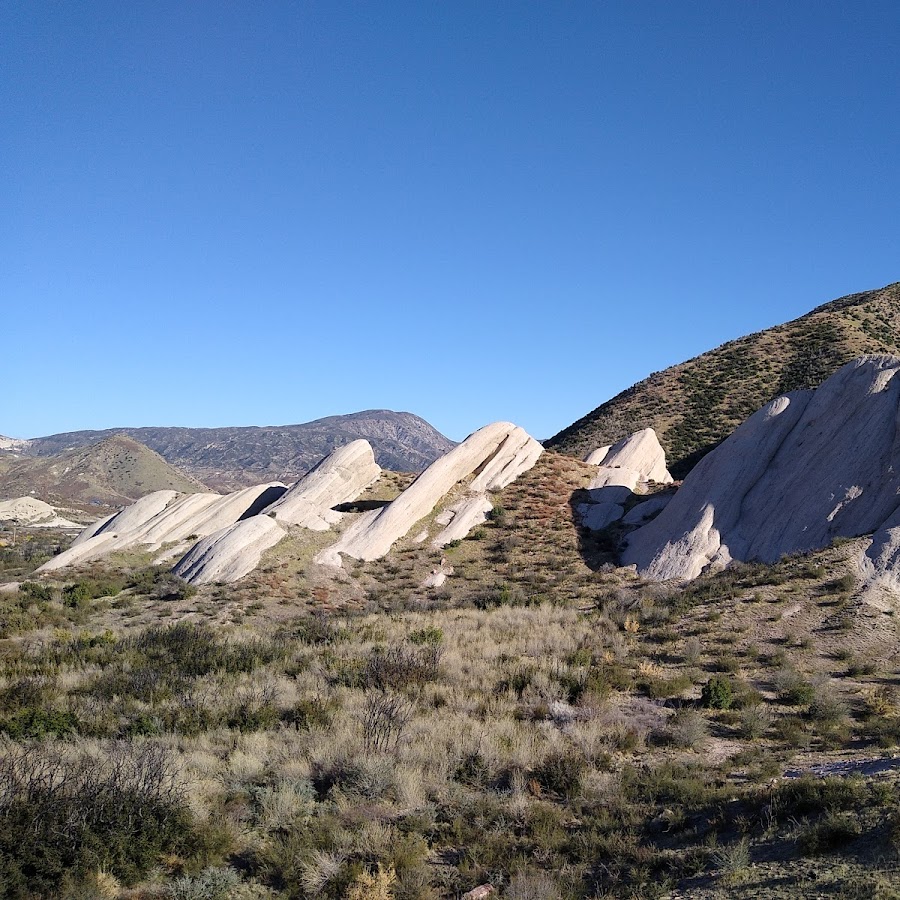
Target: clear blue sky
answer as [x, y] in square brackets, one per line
[222, 213]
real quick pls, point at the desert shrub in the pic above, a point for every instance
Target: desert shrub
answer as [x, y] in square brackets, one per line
[80, 592]
[367, 777]
[826, 706]
[309, 713]
[377, 885]
[792, 688]
[497, 515]
[32, 590]
[802, 796]
[662, 688]
[473, 770]
[532, 886]
[385, 717]
[160, 583]
[36, 722]
[732, 858]
[63, 813]
[755, 721]
[687, 729]
[561, 772]
[430, 636]
[832, 832]
[402, 668]
[210, 884]
[717, 693]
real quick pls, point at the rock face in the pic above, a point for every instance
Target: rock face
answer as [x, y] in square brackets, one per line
[806, 468]
[633, 460]
[231, 553]
[496, 455]
[339, 478]
[162, 518]
[33, 512]
[623, 469]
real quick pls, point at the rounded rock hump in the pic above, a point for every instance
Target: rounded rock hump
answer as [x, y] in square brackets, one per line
[806, 468]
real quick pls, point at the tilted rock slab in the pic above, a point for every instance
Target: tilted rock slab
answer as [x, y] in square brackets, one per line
[461, 518]
[496, 454]
[623, 469]
[231, 553]
[339, 478]
[806, 468]
[151, 522]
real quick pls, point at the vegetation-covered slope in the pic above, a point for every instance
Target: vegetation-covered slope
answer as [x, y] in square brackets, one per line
[694, 405]
[543, 723]
[115, 471]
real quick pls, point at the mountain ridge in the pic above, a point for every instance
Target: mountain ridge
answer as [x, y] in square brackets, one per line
[229, 457]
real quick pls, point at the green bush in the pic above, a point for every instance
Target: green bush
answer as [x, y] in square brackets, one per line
[717, 693]
[40, 593]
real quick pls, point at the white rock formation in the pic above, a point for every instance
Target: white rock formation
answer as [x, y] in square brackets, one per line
[634, 460]
[596, 457]
[339, 478]
[641, 513]
[805, 469]
[496, 454]
[34, 513]
[164, 517]
[461, 518]
[626, 467]
[231, 553]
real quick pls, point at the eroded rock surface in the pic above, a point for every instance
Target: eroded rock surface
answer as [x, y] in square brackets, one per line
[231, 553]
[806, 468]
[164, 517]
[627, 467]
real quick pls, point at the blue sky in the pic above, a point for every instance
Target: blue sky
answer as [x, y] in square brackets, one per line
[243, 213]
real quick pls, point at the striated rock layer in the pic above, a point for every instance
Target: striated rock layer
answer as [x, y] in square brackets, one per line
[496, 455]
[231, 553]
[625, 468]
[806, 468]
[339, 478]
[164, 517]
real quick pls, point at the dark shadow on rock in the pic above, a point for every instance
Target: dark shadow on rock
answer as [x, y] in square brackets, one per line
[356, 506]
[267, 497]
[680, 468]
[598, 549]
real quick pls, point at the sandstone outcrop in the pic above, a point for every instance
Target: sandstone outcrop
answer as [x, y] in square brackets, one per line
[165, 517]
[339, 478]
[496, 455]
[231, 553]
[623, 469]
[33, 512]
[806, 468]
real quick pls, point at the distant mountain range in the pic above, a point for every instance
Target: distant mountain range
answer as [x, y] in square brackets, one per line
[696, 404]
[228, 458]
